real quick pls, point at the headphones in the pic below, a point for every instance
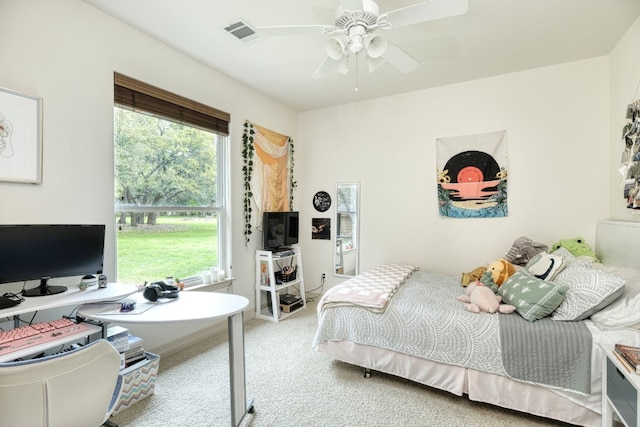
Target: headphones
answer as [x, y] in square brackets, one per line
[160, 290]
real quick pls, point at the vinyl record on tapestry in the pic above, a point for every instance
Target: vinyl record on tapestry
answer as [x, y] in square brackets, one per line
[472, 166]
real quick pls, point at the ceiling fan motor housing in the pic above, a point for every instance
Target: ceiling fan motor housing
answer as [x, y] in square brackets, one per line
[368, 17]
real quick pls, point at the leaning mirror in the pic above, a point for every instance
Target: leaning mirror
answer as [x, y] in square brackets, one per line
[347, 222]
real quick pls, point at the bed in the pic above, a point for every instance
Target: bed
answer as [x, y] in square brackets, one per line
[406, 322]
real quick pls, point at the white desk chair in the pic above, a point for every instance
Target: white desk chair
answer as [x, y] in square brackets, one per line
[77, 388]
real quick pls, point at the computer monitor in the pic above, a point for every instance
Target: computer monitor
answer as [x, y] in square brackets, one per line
[44, 251]
[279, 229]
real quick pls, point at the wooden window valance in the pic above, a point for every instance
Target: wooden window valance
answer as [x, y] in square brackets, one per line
[141, 96]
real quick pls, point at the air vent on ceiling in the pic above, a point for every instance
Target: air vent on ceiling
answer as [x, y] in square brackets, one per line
[242, 31]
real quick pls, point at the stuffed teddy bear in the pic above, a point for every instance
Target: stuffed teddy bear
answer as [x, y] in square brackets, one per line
[480, 298]
[578, 248]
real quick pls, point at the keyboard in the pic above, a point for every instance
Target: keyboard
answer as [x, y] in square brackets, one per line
[39, 336]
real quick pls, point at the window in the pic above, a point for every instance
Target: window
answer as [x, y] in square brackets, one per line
[171, 185]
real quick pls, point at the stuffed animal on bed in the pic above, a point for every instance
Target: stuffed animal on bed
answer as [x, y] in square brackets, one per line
[479, 298]
[523, 250]
[578, 248]
[493, 276]
[501, 270]
[473, 275]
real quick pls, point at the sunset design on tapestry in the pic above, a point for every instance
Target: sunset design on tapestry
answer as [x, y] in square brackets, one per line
[472, 176]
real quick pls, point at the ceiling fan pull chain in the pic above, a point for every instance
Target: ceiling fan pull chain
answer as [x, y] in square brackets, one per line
[355, 58]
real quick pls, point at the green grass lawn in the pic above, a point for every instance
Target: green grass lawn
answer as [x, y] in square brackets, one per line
[176, 246]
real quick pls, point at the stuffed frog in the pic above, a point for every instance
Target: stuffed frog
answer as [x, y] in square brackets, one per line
[577, 247]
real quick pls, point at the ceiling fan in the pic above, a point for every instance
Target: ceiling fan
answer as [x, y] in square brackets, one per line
[354, 32]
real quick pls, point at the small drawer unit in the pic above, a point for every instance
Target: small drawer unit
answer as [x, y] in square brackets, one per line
[620, 394]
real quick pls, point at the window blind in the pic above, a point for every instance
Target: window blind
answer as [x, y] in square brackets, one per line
[141, 96]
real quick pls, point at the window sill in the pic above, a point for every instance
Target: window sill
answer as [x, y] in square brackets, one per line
[214, 286]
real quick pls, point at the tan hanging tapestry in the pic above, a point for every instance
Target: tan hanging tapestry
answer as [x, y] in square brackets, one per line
[268, 170]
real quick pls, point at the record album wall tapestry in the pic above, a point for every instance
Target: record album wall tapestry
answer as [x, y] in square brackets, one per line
[472, 175]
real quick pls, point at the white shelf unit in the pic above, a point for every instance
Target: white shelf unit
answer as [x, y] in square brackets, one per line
[268, 291]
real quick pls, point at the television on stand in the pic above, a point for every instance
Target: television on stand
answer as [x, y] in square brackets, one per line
[279, 230]
[41, 252]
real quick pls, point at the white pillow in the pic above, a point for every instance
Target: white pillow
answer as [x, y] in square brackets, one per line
[590, 291]
[625, 311]
[546, 266]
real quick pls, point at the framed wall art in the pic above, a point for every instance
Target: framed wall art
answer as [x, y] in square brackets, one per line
[322, 201]
[321, 228]
[20, 137]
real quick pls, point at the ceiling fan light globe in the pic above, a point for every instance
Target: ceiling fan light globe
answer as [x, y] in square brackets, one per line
[376, 45]
[335, 47]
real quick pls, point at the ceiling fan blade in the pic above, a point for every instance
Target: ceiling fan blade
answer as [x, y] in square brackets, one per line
[325, 68]
[427, 11]
[351, 4]
[400, 59]
[295, 30]
[374, 63]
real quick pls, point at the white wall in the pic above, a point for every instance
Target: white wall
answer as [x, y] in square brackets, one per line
[66, 52]
[557, 120]
[557, 123]
[624, 81]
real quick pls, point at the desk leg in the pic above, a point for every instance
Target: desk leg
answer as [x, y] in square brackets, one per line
[239, 404]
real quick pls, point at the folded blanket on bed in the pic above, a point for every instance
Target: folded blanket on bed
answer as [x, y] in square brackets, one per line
[371, 289]
[528, 348]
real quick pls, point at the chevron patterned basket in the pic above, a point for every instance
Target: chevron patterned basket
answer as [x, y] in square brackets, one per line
[138, 381]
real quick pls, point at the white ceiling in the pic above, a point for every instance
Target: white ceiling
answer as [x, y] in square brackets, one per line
[494, 37]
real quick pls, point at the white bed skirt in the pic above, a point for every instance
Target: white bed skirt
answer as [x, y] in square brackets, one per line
[479, 386]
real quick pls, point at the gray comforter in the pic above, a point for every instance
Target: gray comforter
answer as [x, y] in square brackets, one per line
[425, 320]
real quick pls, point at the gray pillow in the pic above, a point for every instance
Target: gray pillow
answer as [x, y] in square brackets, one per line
[590, 291]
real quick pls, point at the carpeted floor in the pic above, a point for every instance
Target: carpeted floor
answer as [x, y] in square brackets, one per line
[293, 385]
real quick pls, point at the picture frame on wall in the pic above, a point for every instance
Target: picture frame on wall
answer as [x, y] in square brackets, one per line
[20, 137]
[321, 228]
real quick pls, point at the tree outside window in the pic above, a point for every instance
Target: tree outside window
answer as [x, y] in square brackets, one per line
[166, 197]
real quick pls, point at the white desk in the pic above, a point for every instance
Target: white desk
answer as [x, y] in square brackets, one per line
[73, 296]
[191, 306]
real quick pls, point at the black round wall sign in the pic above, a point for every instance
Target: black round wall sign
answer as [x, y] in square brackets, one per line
[322, 201]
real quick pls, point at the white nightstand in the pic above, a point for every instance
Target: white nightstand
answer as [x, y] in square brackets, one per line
[620, 391]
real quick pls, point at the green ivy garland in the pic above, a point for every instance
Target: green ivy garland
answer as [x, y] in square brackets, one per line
[247, 170]
[248, 151]
[292, 184]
